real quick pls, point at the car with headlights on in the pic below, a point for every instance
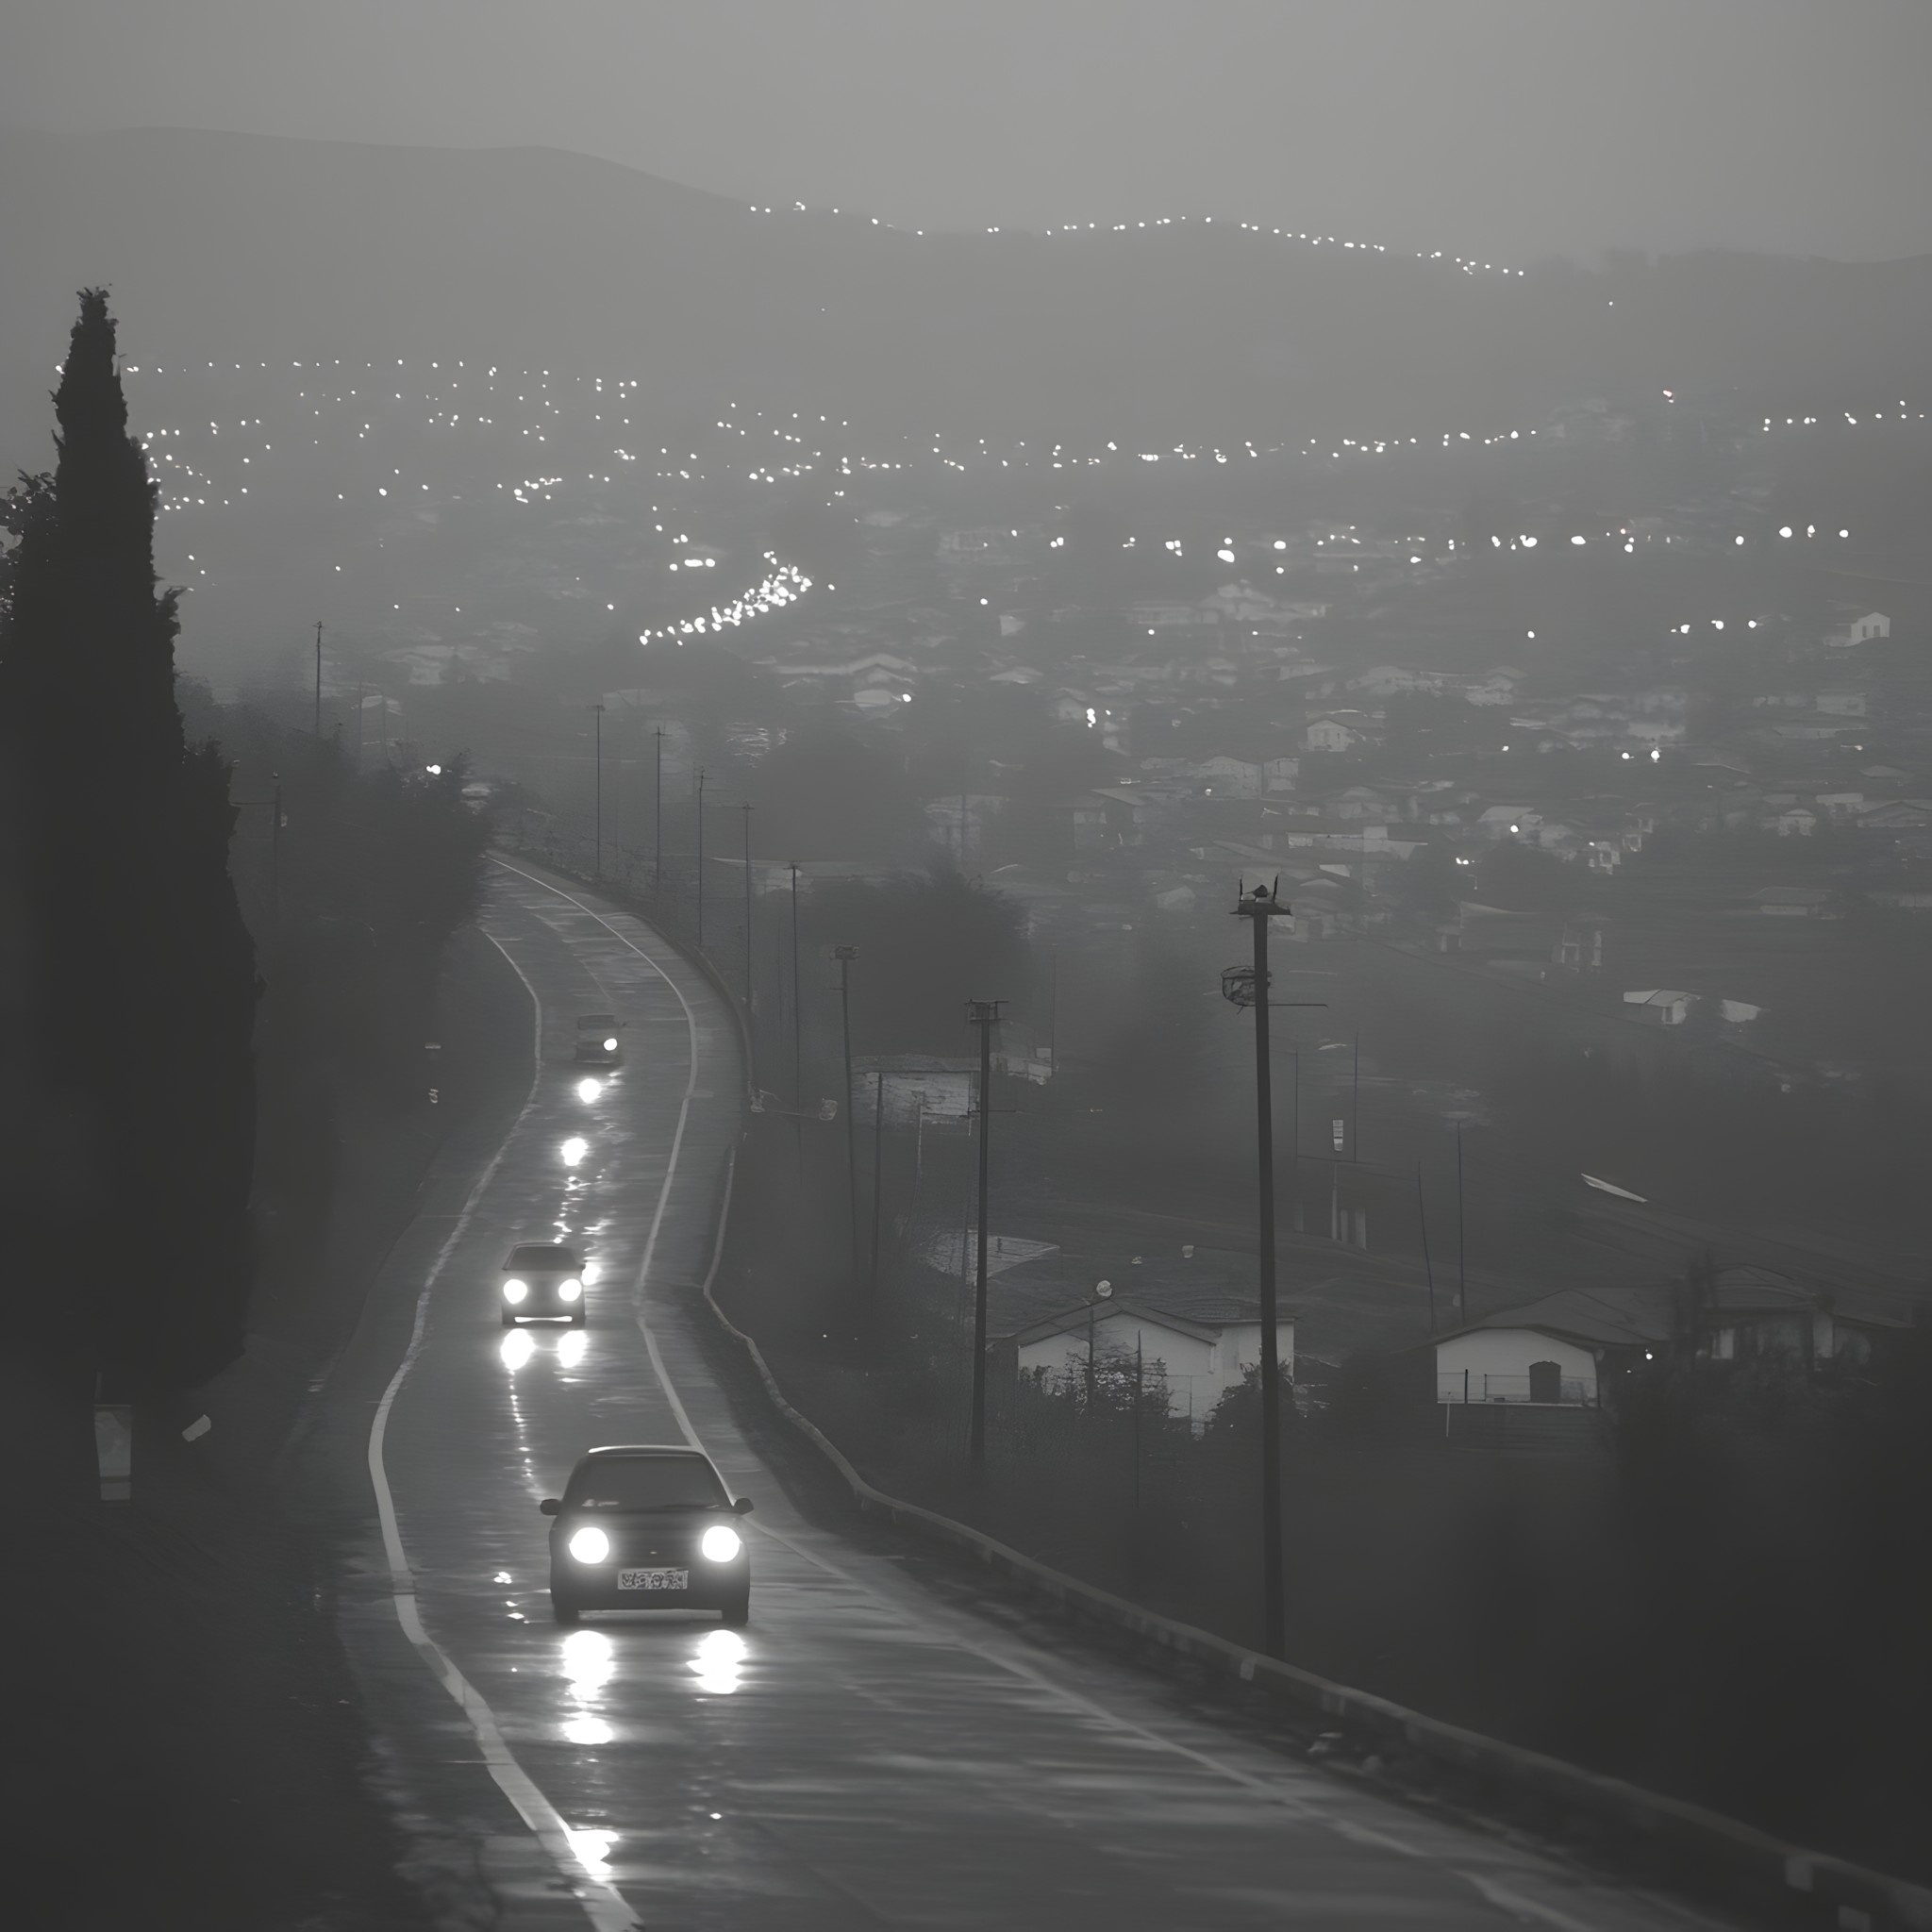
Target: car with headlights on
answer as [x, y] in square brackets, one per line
[598, 1039]
[543, 1283]
[647, 1528]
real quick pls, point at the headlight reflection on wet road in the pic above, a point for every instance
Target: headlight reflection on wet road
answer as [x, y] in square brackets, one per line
[587, 1661]
[716, 1665]
[591, 1848]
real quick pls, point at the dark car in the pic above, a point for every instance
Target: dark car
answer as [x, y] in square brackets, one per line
[598, 1039]
[546, 1283]
[643, 1529]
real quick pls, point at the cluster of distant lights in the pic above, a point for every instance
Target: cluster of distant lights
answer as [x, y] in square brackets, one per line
[1467, 264]
[785, 584]
[1905, 415]
[800, 460]
[185, 485]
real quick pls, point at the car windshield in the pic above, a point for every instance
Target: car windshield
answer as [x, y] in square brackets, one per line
[542, 1257]
[645, 1482]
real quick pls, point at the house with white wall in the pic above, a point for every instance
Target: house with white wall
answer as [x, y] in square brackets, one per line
[1860, 630]
[1567, 1348]
[1200, 1355]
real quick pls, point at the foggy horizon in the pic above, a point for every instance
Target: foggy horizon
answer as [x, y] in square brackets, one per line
[1498, 127]
[964, 964]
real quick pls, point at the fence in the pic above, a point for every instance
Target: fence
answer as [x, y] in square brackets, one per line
[1463, 1385]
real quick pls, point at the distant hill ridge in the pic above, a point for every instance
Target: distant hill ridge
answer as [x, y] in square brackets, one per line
[244, 246]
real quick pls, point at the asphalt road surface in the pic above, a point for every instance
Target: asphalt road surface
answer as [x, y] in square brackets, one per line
[872, 1750]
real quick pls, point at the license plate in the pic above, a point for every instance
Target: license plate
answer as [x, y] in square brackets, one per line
[654, 1580]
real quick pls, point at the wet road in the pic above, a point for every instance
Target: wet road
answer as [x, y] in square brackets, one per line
[867, 1753]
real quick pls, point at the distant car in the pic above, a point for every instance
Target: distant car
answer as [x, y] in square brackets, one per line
[598, 1039]
[643, 1529]
[543, 1284]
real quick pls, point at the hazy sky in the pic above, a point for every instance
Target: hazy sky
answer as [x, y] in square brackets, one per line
[1511, 129]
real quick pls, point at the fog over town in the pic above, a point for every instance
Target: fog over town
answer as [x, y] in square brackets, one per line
[1080, 855]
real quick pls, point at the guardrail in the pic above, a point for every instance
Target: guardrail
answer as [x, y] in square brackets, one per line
[1738, 1858]
[1722, 1850]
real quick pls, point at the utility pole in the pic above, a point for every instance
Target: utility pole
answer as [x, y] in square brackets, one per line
[878, 1168]
[846, 955]
[746, 810]
[1462, 1282]
[1259, 907]
[797, 1038]
[657, 828]
[984, 1014]
[1052, 1010]
[797, 1017]
[318, 681]
[597, 860]
[1422, 1209]
[701, 858]
[1355, 1104]
[1294, 1139]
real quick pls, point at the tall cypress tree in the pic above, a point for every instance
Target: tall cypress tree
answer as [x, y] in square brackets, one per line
[131, 1130]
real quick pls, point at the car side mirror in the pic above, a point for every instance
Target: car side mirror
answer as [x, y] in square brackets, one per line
[742, 1506]
[549, 1506]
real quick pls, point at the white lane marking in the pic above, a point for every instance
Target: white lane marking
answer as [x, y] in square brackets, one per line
[604, 1907]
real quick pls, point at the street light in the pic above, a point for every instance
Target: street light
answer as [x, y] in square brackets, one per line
[1260, 906]
[597, 858]
[846, 955]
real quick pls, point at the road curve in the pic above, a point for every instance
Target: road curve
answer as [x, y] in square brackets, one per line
[870, 1752]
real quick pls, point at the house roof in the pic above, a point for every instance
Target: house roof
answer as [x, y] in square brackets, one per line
[1210, 1290]
[1071, 1320]
[1595, 1316]
[1641, 1315]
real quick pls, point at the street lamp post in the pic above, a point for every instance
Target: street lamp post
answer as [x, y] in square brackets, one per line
[746, 810]
[984, 1014]
[597, 858]
[846, 955]
[1259, 907]
[657, 828]
[701, 858]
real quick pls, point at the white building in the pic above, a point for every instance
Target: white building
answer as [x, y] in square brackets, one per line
[1200, 1361]
[1860, 630]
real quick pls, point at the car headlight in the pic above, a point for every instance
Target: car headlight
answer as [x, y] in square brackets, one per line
[590, 1545]
[514, 1291]
[569, 1290]
[610, 1046]
[721, 1543]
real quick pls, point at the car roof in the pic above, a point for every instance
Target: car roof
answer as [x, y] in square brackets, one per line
[537, 1248]
[597, 1019]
